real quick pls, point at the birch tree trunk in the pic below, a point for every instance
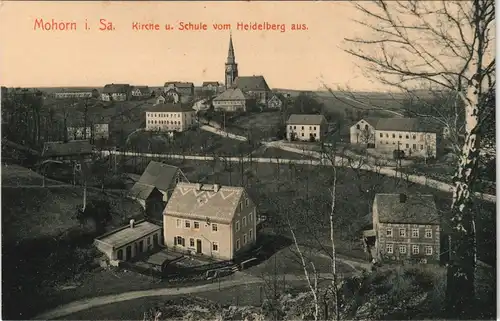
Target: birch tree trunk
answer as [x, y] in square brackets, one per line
[461, 271]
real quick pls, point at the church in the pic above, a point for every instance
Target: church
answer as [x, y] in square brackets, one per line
[254, 87]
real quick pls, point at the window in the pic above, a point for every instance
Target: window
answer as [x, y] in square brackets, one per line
[402, 232]
[400, 136]
[366, 127]
[302, 127]
[196, 225]
[389, 248]
[191, 242]
[241, 207]
[310, 127]
[237, 244]
[237, 226]
[428, 233]
[414, 137]
[414, 146]
[244, 221]
[246, 202]
[407, 145]
[314, 128]
[387, 135]
[187, 224]
[428, 250]
[407, 136]
[244, 239]
[421, 147]
[393, 135]
[178, 223]
[250, 216]
[302, 134]
[414, 249]
[414, 232]
[389, 232]
[149, 240]
[357, 126]
[294, 127]
[381, 135]
[314, 134]
[402, 249]
[215, 246]
[250, 234]
[290, 127]
[179, 240]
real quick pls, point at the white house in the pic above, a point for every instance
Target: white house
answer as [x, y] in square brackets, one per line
[411, 136]
[306, 127]
[170, 117]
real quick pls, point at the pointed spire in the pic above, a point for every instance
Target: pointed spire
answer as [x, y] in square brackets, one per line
[230, 53]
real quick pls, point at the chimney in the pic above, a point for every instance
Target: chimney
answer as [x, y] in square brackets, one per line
[132, 223]
[216, 188]
[198, 187]
[402, 198]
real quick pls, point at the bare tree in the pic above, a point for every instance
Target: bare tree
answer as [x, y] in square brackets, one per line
[443, 46]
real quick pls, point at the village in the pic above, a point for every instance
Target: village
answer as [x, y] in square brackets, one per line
[183, 185]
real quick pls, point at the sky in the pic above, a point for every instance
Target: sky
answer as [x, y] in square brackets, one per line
[304, 59]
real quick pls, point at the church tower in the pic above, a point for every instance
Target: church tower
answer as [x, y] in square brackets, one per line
[231, 65]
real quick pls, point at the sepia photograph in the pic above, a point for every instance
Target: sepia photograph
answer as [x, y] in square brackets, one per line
[248, 160]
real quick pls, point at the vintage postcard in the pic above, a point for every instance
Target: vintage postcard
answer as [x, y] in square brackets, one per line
[248, 160]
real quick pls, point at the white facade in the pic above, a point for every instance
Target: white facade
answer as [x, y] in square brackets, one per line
[362, 133]
[114, 96]
[170, 121]
[86, 94]
[304, 132]
[412, 143]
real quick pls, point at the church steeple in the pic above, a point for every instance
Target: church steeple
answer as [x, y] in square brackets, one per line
[231, 59]
[231, 70]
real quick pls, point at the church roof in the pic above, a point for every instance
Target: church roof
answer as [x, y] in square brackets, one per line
[252, 83]
[231, 94]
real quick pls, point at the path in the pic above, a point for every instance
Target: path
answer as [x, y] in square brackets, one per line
[339, 162]
[84, 304]
[222, 133]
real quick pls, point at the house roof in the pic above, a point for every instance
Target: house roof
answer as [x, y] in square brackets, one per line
[141, 191]
[306, 119]
[170, 108]
[213, 83]
[231, 94]
[403, 124]
[416, 209]
[252, 83]
[188, 201]
[71, 148]
[145, 88]
[116, 88]
[126, 234]
[179, 84]
[159, 175]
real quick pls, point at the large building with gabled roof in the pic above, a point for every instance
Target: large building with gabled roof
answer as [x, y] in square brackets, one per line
[306, 127]
[413, 137]
[210, 220]
[233, 100]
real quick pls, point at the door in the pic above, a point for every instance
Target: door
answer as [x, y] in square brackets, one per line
[155, 240]
[198, 246]
[120, 254]
[141, 246]
[128, 253]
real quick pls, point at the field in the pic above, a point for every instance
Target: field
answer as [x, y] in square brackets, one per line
[257, 126]
[191, 142]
